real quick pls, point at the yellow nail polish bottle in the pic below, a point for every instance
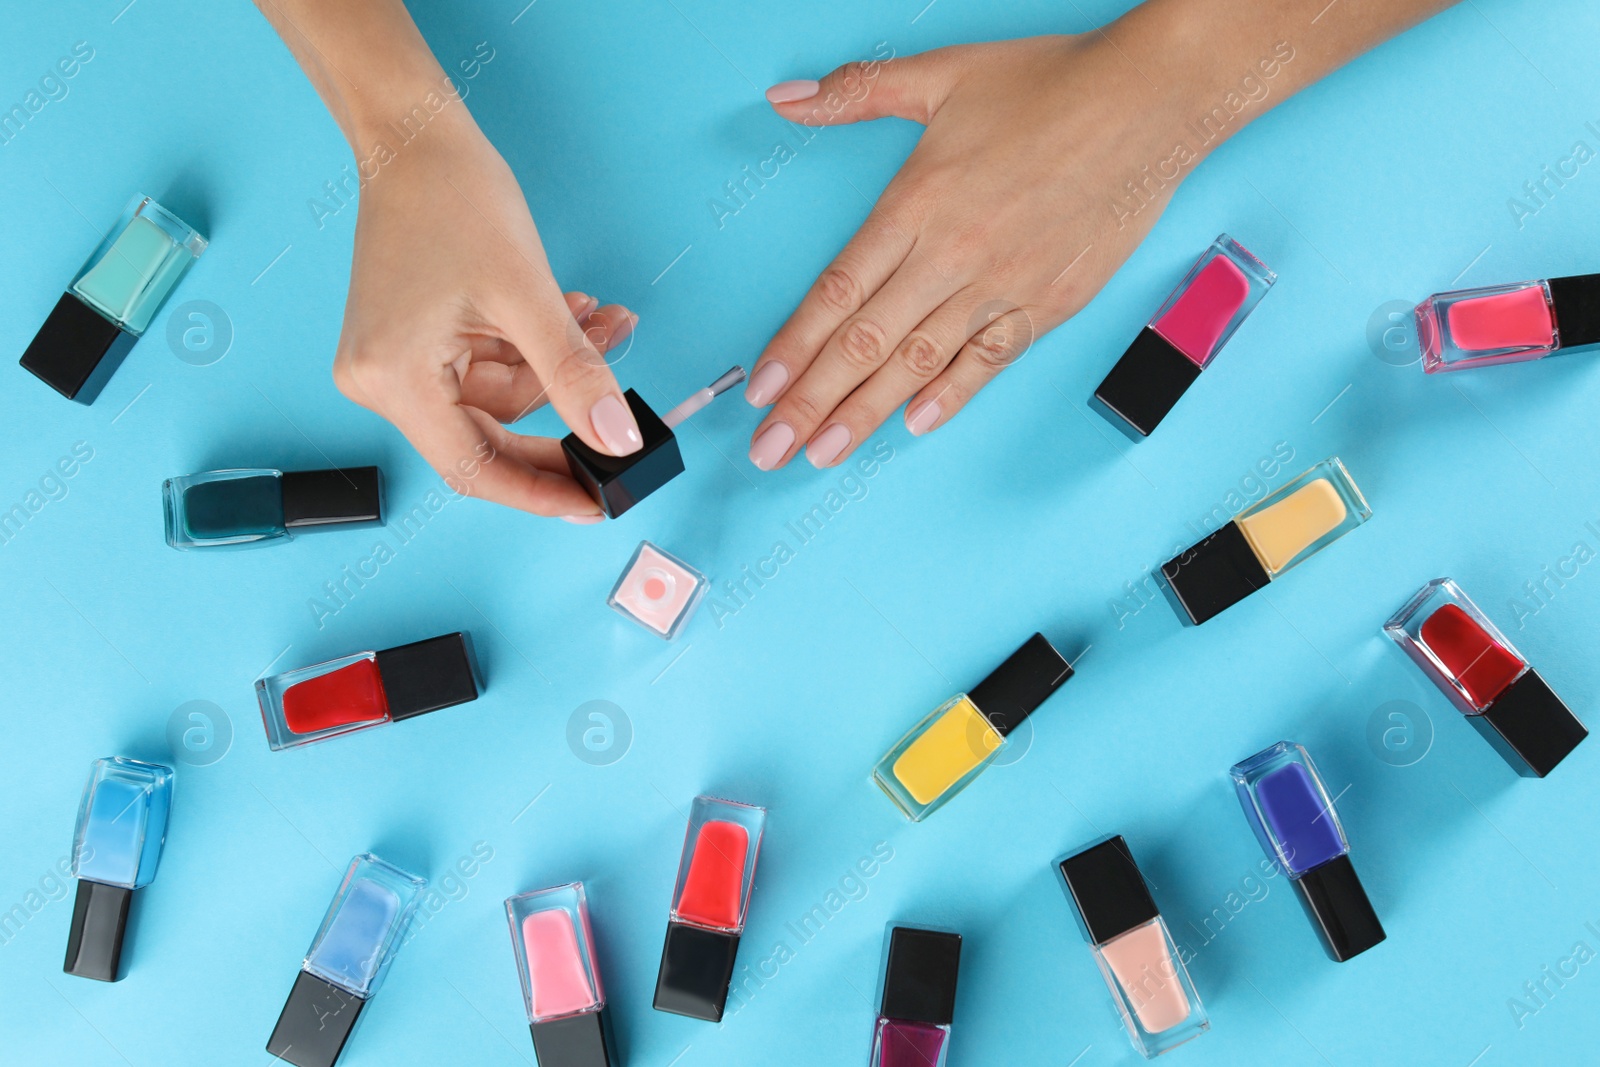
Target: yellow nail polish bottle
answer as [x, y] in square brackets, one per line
[952, 745]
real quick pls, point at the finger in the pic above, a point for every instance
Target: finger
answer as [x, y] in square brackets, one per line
[857, 349]
[477, 457]
[870, 259]
[509, 389]
[924, 353]
[576, 379]
[912, 88]
[985, 354]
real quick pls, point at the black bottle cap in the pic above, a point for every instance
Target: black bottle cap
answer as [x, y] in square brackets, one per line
[1576, 301]
[696, 970]
[1144, 385]
[1531, 727]
[1020, 684]
[1108, 889]
[1338, 907]
[99, 921]
[1208, 578]
[317, 498]
[315, 1023]
[583, 1040]
[617, 483]
[919, 976]
[424, 676]
[77, 350]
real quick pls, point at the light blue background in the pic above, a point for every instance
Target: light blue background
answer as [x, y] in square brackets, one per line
[623, 120]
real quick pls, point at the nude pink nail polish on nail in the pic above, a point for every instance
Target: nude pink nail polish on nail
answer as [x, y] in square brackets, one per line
[614, 425]
[583, 520]
[766, 384]
[921, 420]
[770, 447]
[826, 446]
[789, 92]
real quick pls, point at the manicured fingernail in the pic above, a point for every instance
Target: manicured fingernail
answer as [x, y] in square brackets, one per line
[583, 520]
[614, 424]
[826, 446]
[766, 384]
[789, 92]
[921, 420]
[771, 445]
[589, 304]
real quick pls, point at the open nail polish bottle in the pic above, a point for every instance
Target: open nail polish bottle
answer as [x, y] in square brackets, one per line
[368, 689]
[112, 300]
[116, 848]
[1183, 337]
[617, 483]
[1292, 815]
[715, 875]
[916, 998]
[357, 941]
[951, 746]
[1508, 323]
[658, 591]
[1264, 542]
[1148, 981]
[246, 507]
[561, 988]
[1486, 678]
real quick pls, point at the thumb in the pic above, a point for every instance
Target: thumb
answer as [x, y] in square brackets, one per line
[577, 381]
[911, 87]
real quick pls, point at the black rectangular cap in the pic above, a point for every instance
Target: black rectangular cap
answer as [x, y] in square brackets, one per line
[1338, 907]
[315, 1023]
[1576, 301]
[424, 676]
[318, 498]
[1531, 727]
[696, 970]
[582, 1040]
[99, 921]
[1020, 684]
[617, 483]
[1145, 384]
[77, 350]
[919, 976]
[1206, 579]
[1108, 889]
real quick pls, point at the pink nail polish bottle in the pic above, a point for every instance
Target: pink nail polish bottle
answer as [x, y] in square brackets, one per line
[1508, 323]
[658, 591]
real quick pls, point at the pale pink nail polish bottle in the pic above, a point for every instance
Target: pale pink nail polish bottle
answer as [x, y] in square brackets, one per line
[658, 591]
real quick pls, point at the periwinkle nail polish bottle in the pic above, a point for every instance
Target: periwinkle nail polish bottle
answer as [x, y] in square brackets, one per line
[954, 743]
[617, 483]
[1292, 815]
[116, 848]
[561, 989]
[368, 689]
[916, 998]
[1131, 943]
[112, 300]
[348, 959]
[1508, 323]
[658, 591]
[235, 508]
[1486, 678]
[715, 875]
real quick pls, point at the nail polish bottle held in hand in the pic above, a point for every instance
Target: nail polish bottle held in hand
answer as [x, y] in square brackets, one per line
[1129, 938]
[617, 483]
